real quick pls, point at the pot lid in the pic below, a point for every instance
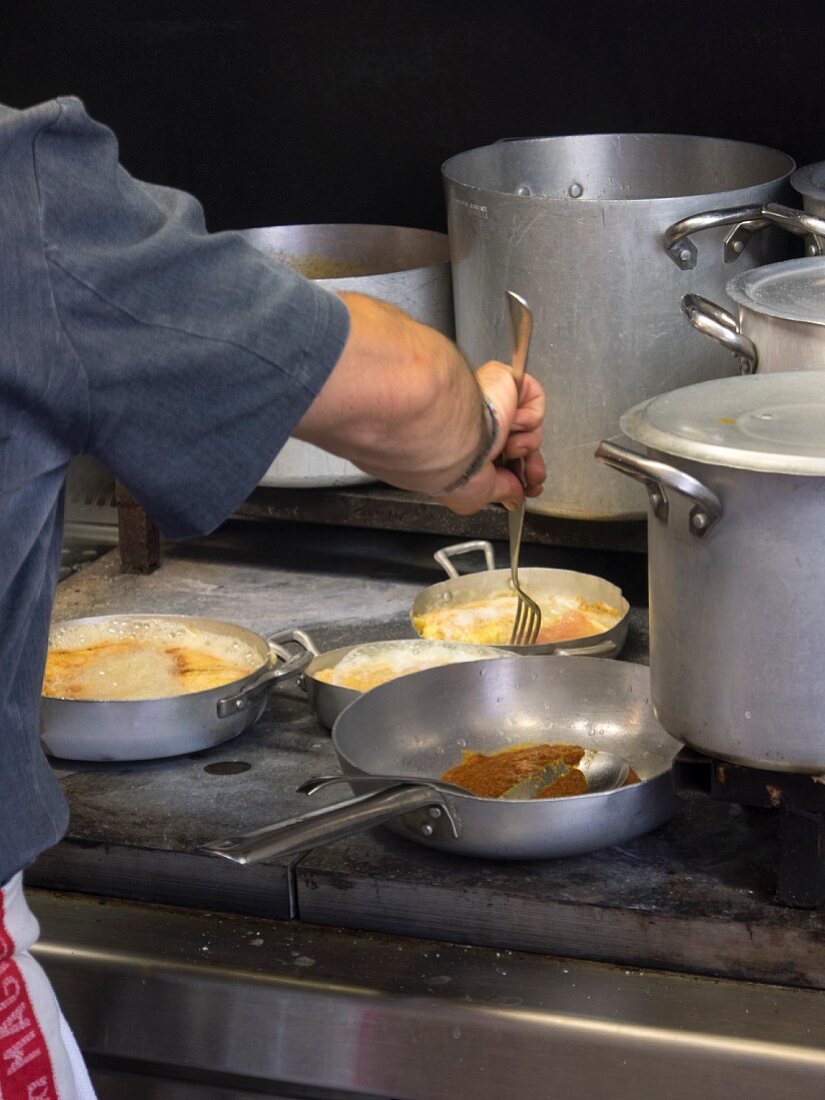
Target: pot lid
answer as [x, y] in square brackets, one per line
[774, 423]
[793, 290]
[810, 180]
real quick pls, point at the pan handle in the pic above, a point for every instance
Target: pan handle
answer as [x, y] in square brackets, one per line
[659, 476]
[444, 557]
[301, 834]
[320, 782]
[600, 649]
[719, 325]
[292, 664]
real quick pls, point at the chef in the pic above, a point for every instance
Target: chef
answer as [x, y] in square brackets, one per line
[183, 361]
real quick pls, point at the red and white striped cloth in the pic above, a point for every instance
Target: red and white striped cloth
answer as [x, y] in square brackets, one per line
[39, 1057]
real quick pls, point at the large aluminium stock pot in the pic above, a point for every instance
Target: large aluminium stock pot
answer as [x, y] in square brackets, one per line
[735, 473]
[601, 234]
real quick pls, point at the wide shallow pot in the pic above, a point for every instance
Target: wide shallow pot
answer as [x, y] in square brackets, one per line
[781, 317]
[538, 583]
[143, 729]
[420, 725]
[410, 268]
[735, 472]
[596, 231]
[328, 700]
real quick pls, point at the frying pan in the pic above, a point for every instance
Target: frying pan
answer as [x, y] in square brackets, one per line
[538, 582]
[420, 724]
[144, 729]
[328, 700]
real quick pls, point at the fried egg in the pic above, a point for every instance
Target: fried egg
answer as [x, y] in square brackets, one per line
[490, 621]
[369, 665]
[142, 660]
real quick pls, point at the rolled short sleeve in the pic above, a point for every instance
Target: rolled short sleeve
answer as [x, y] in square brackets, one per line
[200, 354]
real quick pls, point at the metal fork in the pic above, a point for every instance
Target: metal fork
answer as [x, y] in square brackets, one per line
[528, 613]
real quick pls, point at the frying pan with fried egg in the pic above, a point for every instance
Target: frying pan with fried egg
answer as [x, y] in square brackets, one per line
[169, 724]
[542, 584]
[373, 660]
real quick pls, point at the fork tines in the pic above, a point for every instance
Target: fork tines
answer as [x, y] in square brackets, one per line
[527, 622]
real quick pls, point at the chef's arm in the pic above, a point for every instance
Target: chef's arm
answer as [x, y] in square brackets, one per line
[403, 405]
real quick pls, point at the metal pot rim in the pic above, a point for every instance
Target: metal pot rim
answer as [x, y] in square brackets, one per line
[229, 688]
[467, 580]
[800, 271]
[709, 423]
[787, 163]
[810, 180]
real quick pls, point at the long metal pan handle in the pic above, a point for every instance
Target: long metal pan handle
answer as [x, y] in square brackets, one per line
[719, 325]
[444, 556]
[746, 221]
[301, 834]
[291, 665]
[657, 477]
[599, 649]
[321, 782]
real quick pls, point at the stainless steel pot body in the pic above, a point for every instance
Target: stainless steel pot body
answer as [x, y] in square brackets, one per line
[421, 724]
[77, 729]
[737, 615]
[580, 227]
[539, 583]
[409, 268]
[780, 320]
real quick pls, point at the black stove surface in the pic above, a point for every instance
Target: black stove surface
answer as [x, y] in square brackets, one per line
[799, 801]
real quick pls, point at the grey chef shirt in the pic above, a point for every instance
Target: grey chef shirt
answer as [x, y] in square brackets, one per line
[181, 359]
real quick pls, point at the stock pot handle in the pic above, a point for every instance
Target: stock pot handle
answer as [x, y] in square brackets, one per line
[292, 664]
[657, 477]
[444, 557]
[301, 834]
[719, 325]
[746, 220]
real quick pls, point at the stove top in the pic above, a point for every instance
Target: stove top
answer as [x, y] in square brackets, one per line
[800, 804]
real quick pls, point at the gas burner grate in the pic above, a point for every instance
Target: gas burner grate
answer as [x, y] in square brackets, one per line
[799, 801]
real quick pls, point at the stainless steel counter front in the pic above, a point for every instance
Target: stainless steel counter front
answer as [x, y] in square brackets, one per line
[195, 1004]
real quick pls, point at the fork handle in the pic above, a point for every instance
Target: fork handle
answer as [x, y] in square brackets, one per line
[521, 321]
[515, 526]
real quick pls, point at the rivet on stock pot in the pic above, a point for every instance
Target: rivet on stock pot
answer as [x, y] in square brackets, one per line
[427, 830]
[575, 190]
[524, 190]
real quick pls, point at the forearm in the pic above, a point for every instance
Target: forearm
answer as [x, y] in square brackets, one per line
[401, 403]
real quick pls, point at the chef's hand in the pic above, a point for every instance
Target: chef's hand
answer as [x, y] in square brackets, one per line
[521, 423]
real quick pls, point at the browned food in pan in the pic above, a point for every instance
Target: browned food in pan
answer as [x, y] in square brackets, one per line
[491, 775]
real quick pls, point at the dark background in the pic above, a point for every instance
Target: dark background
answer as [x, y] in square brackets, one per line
[314, 110]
